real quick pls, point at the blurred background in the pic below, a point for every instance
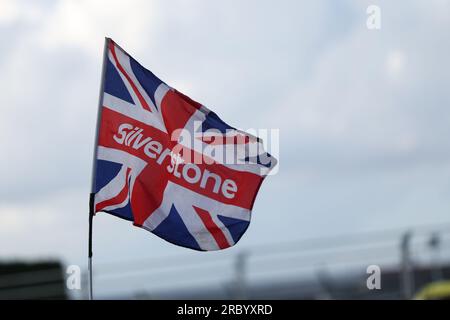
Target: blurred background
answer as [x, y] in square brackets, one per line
[364, 154]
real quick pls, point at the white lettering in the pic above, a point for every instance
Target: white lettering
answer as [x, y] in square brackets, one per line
[229, 188]
[152, 148]
[132, 136]
[197, 172]
[122, 132]
[206, 175]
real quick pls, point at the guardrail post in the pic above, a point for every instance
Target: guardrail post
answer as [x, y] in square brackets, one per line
[407, 270]
[240, 289]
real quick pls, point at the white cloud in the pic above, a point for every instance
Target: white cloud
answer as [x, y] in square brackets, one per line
[16, 10]
[12, 220]
[48, 226]
[82, 24]
[366, 94]
[395, 63]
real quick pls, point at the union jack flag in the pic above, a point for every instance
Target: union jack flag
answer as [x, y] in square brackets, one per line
[161, 160]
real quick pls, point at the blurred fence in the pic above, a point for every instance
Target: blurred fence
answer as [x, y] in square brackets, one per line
[323, 268]
[329, 267]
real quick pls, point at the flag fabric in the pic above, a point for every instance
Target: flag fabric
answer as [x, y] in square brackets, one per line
[169, 164]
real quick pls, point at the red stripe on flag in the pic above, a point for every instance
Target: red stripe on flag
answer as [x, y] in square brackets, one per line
[133, 85]
[215, 231]
[176, 110]
[247, 182]
[117, 199]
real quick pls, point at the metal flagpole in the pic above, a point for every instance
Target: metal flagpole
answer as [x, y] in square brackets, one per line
[91, 216]
[94, 167]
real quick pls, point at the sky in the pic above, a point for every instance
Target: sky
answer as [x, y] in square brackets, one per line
[363, 114]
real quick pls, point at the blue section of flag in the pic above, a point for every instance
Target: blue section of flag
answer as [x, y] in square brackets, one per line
[114, 84]
[105, 172]
[213, 121]
[124, 213]
[146, 79]
[174, 230]
[264, 160]
[236, 227]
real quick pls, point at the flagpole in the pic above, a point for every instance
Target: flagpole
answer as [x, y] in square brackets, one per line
[94, 167]
[91, 216]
